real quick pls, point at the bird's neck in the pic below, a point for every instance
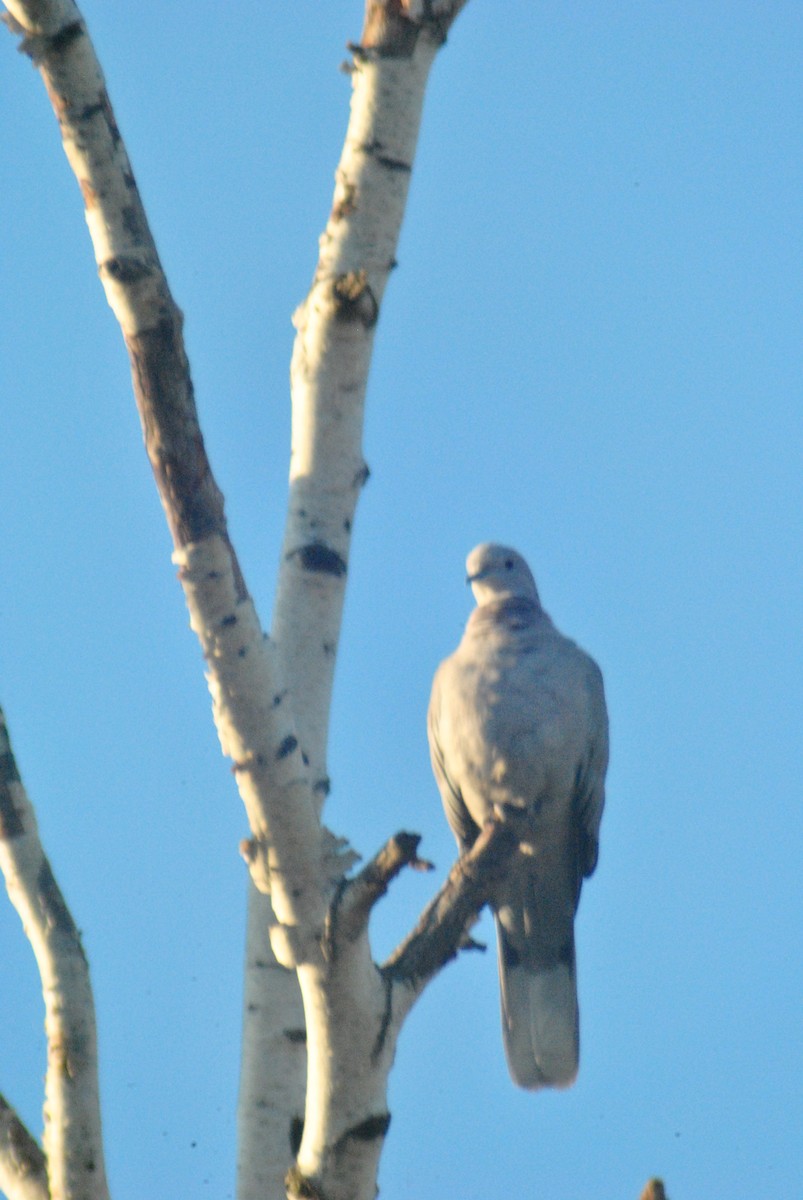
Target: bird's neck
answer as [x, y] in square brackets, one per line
[508, 612]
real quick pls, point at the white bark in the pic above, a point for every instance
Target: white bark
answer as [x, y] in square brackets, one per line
[72, 1136]
[271, 698]
[350, 1037]
[329, 375]
[355, 1009]
[290, 855]
[307, 923]
[23, 1174]
[270, 1109]
[124, 250]
[56, 39]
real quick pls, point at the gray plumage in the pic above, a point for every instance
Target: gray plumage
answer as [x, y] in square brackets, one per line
[517, 719]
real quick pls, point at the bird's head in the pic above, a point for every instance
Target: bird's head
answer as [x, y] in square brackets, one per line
[499, 573]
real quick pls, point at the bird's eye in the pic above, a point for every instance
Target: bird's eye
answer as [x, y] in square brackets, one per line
[509, 564]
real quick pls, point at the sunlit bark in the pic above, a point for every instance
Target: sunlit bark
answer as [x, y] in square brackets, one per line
[73, 1144]
[313, 1095]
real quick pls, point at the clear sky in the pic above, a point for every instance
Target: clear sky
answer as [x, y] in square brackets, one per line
[590, 350]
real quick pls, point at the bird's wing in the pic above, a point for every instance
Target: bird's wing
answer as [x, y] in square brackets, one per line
[460, 822]
[589, 796]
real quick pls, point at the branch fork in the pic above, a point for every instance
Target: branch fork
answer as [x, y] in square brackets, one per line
[271, 695]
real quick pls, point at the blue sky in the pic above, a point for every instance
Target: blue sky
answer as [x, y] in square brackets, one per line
[591, 350]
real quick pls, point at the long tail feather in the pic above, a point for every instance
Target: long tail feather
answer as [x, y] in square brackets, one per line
[539, 1019]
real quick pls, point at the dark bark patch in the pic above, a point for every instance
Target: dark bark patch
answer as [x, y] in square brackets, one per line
[315, 556]
[92, 110]
[52, 901]
[66, 36]
[8, 768]
[374, 151]
[11, 825]
[388, 31]
[40, 46]
[375, 1126]
[125, 269]
[287, 747]
[355, 300]
[296, 1134]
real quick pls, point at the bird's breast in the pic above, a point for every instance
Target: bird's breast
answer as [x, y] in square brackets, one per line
[511, 740]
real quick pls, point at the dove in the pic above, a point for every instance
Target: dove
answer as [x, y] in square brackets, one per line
[517, 723]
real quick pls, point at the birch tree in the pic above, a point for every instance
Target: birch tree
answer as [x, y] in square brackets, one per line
[321, 1018]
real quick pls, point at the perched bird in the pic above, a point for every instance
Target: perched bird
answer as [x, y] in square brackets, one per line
[517, 720]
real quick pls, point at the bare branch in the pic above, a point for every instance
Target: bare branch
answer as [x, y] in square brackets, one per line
[271, 699]
[654, 1190]
[23, 1172]
[355, 1011]
[255, 724]
[255, 729]
[73, 1140]
[443, 927]
[336, 325]
[57, 41]
[392, 26]
[349, 1005]
[351, 910]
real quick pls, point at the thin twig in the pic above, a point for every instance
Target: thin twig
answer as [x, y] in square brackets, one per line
[349, 912]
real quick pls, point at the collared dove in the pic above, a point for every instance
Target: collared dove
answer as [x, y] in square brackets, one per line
[517, 720]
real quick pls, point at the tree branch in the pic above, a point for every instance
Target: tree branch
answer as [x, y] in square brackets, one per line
[351, 1035]
[442, 929]
[336, 325]
[346, 998]
[358, 896]
[271, 699]
[57, 41]
[355, 1010]
[73, 1139]
[23, 1171]
[256, 726]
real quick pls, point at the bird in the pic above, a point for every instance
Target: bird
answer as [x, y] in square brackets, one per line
[517, 724]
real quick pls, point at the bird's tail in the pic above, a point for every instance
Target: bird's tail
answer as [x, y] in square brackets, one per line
[540, 1020]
